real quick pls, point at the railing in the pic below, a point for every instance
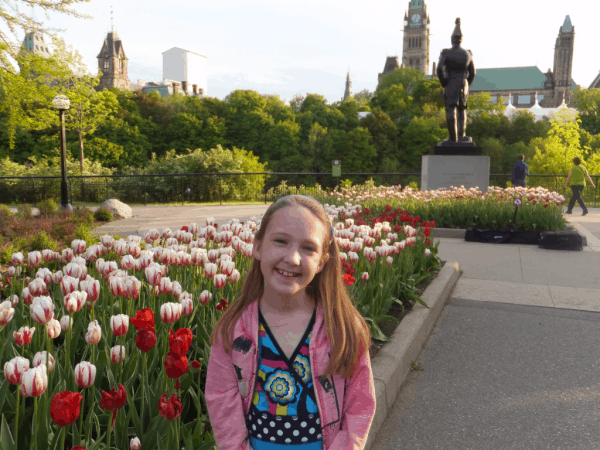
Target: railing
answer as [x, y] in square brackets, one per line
[222, 187]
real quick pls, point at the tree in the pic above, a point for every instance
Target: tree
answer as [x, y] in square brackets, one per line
[418, 138]
[396, 102]
[587, 102]
[384, 137]
[409, 77]
[359, 153]
[524, 128]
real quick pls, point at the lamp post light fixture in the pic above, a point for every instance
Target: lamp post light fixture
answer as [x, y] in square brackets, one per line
[62, 103]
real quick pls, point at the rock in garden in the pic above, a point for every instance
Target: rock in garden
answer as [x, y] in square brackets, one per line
[118, 209]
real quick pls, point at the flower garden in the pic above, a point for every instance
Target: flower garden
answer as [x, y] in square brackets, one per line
[105, 345]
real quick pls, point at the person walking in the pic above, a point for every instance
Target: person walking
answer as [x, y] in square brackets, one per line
[577, 176]
[519, 172]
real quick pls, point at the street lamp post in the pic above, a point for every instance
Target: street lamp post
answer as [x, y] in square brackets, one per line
[62, 103]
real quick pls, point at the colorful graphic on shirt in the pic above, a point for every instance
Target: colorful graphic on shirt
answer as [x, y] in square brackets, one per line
[281, 387]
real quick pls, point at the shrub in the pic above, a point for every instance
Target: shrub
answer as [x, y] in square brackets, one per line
[6, 253]
[5, 210]
[48, 207]
[42, 241]
[24, 210]
[63, 231]
[83, 215]
[103, 215]
[84, 233]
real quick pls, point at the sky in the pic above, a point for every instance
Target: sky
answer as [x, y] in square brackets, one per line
[307, 46]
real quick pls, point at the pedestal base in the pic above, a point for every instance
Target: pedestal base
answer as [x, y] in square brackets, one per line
[443, 171]
[456, 149]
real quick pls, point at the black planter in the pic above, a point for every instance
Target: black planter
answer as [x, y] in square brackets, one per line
[502, 236]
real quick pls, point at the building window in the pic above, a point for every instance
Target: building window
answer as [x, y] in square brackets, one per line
[106, 63]
[410, 62]
[418, 61]
[494, 99]
[540, 97]
[524, 99]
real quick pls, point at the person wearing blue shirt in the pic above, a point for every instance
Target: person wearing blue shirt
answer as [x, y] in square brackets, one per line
[519, 173]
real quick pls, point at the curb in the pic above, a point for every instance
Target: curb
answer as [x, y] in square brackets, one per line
[392, 364]
[459, 233]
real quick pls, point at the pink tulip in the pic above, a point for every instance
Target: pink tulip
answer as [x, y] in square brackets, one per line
[40, 358]
[85, 374]
[119, 324]
[94, 333]
[34, 259]
[53, 329]
[117, 354]
[66, 323]
[170, 312]
[15, 368]
[42, 310]
[69, 284]
[23, 336]
[78, 246]
[34, 382]
[37, 287]
[6, 313]
[75, 301]
[165, 286]
[17, 259]
[220, 280]
[205, 297]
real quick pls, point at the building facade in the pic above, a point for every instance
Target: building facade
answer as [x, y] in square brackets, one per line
[415, 48]
[187, 67]
[525, 82]
[112, 62]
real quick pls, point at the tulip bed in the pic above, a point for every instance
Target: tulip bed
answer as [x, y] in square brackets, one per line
[106, 346]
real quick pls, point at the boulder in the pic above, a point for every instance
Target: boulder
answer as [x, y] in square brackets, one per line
[118, 209]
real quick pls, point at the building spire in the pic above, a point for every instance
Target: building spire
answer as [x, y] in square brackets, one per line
[348, 91]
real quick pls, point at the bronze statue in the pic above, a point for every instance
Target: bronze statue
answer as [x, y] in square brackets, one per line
[456, 72]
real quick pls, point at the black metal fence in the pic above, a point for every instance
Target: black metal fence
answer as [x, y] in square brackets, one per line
[224, 187]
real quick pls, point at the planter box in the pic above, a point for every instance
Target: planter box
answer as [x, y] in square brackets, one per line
[502, 236]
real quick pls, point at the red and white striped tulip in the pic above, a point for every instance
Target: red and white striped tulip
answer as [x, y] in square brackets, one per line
[57, 277]
[199, 256]
[40, 358]
[14, 299]
[34, 259]
[213, 255]
[67, 255]
[78, 246]
[227, 267]
[15, 368]
[427, 252]
[42, 310]
[93, 252]
[75, 270]
[17, 259]
[37, 287]
[117, 286]
[170, 312]
[153, 274]
[166, 233]
[389, 260]
[134, 249]
[66, 323]
[127, 262]
[353, 256]
[365, 276]
[44, 274]
[132, 288]
[220, 280]
[343, 257]
[210, 270]
[235, 276]
[6, 313]
[117, 354]
[75, 301]
[411, 241]
[165, 286]
[107, 241]
[120, 247]
[400, 245]
[23, 336]
[92, 289]
[12, 271]
[69, 284]
[85, 374]
[154, 234]
[53, 329]
[369, 254]
[145, 260]
[119, 324]
[205, 297]
[35, 381]
[187, 306]
[94, 333]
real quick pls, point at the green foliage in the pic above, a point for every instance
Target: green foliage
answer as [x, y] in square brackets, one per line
[48, 207]
[5, 210]
[6, 253]
[84, 233]
[103, 215]
[24, 210]
[42, 241]
[408, 77]
[82, 215]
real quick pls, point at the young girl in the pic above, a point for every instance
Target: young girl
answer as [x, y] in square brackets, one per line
[289, 361]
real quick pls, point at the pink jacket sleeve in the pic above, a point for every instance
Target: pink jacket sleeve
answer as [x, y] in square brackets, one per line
[358, 408]
[224, 401]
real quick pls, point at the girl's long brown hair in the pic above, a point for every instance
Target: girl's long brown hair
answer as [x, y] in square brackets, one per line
[347, 331]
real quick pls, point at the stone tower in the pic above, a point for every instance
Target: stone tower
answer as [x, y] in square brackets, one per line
[112, 62]
[415, 50]
[34, 41]
[563, 61]
[348, 91]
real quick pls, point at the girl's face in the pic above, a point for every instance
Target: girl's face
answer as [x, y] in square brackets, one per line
[291, 251]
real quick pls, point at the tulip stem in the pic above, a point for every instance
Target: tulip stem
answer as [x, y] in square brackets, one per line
[144, 380]
[63, 435]
[108, 429]
[35, 413]
[48, 348]
[17, 417]
[80, 416]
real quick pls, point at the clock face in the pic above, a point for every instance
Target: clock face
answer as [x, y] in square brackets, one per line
[416, 18]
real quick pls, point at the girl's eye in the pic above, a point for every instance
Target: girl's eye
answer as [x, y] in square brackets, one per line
[280, 241]
[310, 249]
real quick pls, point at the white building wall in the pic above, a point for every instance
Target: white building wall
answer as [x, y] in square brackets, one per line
[182, 65]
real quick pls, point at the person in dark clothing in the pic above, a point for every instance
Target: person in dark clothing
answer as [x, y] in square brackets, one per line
[519, 172]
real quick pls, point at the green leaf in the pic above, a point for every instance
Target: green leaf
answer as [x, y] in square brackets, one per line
[6, 438]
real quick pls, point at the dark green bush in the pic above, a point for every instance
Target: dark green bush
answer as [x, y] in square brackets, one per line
[48, 207]
[103, 215]
[5, 210]
[42, 241]
[84, 233]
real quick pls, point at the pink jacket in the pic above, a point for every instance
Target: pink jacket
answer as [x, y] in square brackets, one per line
[346, 407]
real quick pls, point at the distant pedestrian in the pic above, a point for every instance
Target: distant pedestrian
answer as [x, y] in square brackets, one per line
[577, 176]
[519, 172]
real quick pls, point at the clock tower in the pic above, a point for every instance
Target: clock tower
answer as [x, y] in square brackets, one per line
[415, 49]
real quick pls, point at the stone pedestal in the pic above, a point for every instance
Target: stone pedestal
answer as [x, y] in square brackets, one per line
[444, 171]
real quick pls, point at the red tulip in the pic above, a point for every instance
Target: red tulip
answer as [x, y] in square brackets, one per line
[144, 319]
[65, 408]
[196, 364]
[176, 365]
[170, 409]
[78, 447]
[145, 339]
[113, 401]
[180, 341]
[348, 279]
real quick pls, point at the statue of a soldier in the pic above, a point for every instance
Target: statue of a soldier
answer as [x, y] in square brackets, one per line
[456, 72]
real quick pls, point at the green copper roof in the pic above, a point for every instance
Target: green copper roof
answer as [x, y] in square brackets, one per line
[416, 4]
[567, 26]
[509, 78]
